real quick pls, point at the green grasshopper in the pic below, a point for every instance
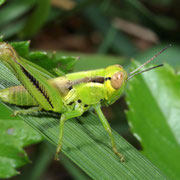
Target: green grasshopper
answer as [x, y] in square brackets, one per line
[70, 95]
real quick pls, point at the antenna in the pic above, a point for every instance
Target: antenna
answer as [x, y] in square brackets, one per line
[151, 59]
[160, 65]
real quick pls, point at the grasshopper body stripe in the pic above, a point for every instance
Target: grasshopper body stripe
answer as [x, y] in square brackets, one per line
[37, 85]
[96, 79]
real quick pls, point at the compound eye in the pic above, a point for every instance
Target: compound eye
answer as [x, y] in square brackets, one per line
[117, 80]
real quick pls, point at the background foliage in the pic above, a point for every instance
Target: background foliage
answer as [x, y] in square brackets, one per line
[100, 33]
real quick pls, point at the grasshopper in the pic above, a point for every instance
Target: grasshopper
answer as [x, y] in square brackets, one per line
[70, 95]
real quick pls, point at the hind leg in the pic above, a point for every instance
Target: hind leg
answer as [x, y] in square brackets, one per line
[26, 111]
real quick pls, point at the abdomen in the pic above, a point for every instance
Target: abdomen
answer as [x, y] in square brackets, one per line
[17, 95]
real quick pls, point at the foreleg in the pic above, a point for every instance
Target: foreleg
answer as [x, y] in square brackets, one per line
[65, 117]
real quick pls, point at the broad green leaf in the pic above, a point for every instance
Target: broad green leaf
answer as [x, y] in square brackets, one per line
[14, 136]
[154, 117]
[87, 144]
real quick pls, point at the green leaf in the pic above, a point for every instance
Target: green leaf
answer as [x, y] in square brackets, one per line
[21, 47]
[37, 19]
[154, 116]
[13, 10]
[2, 1]
[13, 16]
[14, 136]
[1, 38]
[87, 144]
[52, 62]
[12, 28]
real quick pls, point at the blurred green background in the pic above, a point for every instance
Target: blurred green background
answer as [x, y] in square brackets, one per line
[101, 33]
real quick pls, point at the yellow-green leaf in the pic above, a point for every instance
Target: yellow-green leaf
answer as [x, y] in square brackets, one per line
[154, 116]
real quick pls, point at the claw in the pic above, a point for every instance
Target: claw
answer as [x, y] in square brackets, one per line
[14, 114]
[56, 157]
[122, 159]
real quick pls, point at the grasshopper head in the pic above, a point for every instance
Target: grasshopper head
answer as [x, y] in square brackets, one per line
[115, 81]
[117, 78]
